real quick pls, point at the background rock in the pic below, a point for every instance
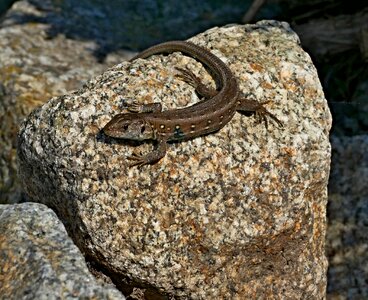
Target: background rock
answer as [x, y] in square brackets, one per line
[39, 260]
[232, 214]
[34, 68]
[136, 24]
[4, 6]
[347, 239]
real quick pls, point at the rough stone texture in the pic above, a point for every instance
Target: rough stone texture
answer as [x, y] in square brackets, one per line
[34, 68]
[347, 238]
[238, 214]
[39, 260]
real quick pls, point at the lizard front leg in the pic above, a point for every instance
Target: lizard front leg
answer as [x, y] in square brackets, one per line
[152, 157]
[135, 107]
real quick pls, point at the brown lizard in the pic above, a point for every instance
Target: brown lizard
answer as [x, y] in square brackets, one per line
[148, 122]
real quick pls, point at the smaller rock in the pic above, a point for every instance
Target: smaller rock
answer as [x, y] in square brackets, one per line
[40, 261]
[347, 211]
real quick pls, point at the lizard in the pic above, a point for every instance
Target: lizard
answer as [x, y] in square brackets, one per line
[149, 122]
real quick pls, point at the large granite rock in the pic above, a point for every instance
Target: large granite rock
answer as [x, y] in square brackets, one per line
[347, 238]
[39, 260]
[238, 214]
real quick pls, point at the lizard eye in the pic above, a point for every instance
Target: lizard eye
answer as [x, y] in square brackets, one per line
[143, 128]
[126, 126]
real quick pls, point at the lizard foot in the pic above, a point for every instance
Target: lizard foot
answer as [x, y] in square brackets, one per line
[137, 159]
[188, 77]
[262, 114]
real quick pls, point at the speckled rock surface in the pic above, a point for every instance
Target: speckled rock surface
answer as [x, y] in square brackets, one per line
[39, 260]
[34, 68]
[347, 238]
[239, 214]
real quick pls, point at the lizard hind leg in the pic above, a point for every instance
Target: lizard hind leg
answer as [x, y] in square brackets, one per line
[190, 78]
[253, 106]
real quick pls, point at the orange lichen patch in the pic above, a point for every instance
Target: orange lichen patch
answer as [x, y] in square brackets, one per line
[165, 73]
[93, 129]
[318, 212]
[310, 93]
[301, 80]
[258, 227]
[33, 100]
[290, 85]
[319, 105]
[266, 85]
[291, 151]
[285, 74]
[134, 192]
[94, 188]
[153, 82]
[7, 72]
[173, 172]
[256, 67]
[147, 99]
[297, 226]
[317, 208]
[168, 219]
[12, 263]
[277, 162]
[176, 189]
[64, 129]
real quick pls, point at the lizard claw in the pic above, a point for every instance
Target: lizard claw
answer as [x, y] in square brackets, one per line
[262, 115]
[135, 107]
[187, 76]
[137, 160]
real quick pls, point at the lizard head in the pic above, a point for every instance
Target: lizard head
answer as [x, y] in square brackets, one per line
[129, 126]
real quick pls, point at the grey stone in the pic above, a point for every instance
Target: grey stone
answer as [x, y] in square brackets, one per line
[230, 215]
[39, 260]
[34, 68]
[133, 24]
[347, 238]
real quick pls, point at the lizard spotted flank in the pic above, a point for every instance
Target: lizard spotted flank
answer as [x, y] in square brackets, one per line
[148, 122]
